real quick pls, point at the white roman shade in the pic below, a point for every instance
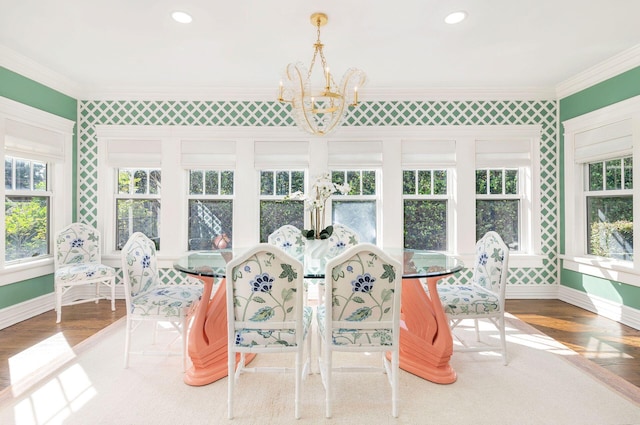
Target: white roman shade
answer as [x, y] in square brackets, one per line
[613, 140]
[208, 154]
[22, 139]
[345, 154]
[503, 153]
[280, 154]
[428, 153]
[133, 153]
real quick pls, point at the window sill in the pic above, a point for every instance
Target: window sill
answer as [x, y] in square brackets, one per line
[618, 271]
[26, 270]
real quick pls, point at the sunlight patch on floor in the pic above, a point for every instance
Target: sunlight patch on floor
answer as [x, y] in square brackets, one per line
[597, 349]
[56, 400]
[33, 363]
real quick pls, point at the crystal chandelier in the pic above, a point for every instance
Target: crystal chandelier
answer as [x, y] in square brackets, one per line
[319, 110]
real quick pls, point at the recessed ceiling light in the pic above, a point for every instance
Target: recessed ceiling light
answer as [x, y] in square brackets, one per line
[182, 17]
[455, 17]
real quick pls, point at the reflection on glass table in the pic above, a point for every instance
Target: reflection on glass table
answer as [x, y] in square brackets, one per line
[426, 344]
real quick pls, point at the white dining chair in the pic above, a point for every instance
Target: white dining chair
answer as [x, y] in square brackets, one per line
[266, 314]
[484, 296]
[361, 313]
[77, 261]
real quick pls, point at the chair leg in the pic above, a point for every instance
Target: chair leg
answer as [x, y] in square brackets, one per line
[97, 296]
[503, 339]
[58, 303]
[231, 364]
[328, 367]
[298, 381]
[113, 294]
[127, 342]
[394, 382]
[477, 326]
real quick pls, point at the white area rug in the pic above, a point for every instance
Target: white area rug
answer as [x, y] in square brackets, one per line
[544, 383]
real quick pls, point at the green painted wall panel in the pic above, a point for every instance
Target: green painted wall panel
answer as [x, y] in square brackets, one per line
[613, 90]
[20, 89]
[25, 290]
[628, 295]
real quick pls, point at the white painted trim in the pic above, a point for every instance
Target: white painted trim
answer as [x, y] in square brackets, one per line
[28, 68]
[613, 66]
[531, 292]
[604, 268]
[603, 307]
[366, 94]
[26, 310]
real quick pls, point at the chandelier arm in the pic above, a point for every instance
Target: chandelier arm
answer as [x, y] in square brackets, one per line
[320, 112]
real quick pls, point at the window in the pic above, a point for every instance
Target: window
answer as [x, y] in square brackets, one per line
[138, 204]
[210, 209]
[357, 209]
[275, 210]
[498, 204]
[599, 192]
[27, 209]
[609, 202]
[426, 201]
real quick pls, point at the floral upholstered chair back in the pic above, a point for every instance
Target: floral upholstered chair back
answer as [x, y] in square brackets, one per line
[264, 295]
[141, 267]
[490, 269]
[289, 239]
[363, 295]
[341, 239]
[77, 243]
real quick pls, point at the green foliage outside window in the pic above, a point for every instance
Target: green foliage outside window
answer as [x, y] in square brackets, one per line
[26, 227]
[610, 209]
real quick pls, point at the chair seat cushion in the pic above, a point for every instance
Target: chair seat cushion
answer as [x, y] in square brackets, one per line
[82, 272]
[272, 337]
[462, 300]
[169, 301]
[358, 337]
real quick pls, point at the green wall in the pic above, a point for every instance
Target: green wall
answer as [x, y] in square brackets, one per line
[16, 87]
[608, 92]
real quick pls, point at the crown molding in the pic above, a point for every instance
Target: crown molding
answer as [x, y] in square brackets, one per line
[609, 68]
[30, 69]
[367, 94]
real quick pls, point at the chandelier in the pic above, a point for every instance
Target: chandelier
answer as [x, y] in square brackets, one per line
[318, 104]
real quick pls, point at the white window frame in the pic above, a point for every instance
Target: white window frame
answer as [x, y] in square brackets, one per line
[607, 133]
[211, 196]
[369, 198]
[250, 149]
[36, 126]
[523, 235]
[432, 197]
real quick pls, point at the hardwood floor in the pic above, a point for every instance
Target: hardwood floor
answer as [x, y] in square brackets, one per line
[605, 342]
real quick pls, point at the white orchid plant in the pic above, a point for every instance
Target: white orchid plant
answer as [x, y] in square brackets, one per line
[315, 203]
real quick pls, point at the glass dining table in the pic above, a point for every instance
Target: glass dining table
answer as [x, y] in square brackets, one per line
[426, 343]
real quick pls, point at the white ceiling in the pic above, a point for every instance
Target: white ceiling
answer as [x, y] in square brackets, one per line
[121, 45]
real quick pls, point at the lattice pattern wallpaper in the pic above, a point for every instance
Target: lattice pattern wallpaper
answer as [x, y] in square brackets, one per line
[377, 113]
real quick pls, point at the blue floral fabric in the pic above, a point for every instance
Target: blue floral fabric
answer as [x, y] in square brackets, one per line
[147, 295]
[341, 239]
[77, 255]
[265, 291]
[363, 290]
[289, 239]
[483, 295]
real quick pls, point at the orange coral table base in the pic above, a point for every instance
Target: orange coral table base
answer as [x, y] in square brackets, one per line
[208, 338]
[426, 344]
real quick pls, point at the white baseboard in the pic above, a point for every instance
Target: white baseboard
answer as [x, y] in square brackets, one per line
[606, 308]
[26, 310]
[33, 307]
[532, 292]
